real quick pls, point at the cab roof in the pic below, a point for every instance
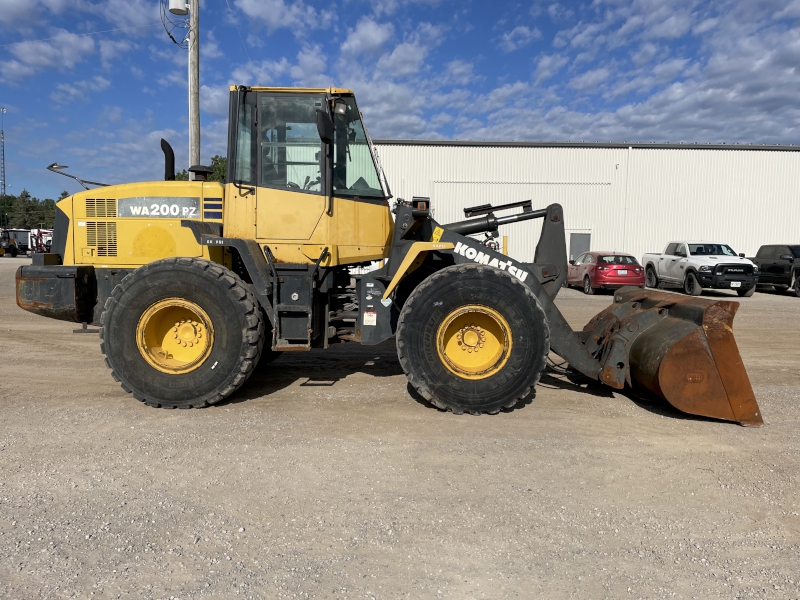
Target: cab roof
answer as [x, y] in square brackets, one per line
[297, 90]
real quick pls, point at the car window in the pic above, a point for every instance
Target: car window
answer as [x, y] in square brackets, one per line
[670, 250]
[784, 250]
[708, 249]
[617, 259]
[680, 250]
[763, 252]
[796, 251]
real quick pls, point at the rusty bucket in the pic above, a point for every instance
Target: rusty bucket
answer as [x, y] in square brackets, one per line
[679, 347]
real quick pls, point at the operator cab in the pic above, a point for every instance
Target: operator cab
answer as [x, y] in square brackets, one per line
[274, 142]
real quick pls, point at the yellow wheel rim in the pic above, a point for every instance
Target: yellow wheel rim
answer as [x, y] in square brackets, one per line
[474, 341]
[175, 336]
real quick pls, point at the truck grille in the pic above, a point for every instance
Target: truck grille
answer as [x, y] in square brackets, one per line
[734, 270]
[101, 209]
[103, 236]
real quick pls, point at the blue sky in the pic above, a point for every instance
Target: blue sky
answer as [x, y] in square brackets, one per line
[621, 70]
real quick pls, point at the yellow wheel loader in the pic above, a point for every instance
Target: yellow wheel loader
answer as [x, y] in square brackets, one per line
[193, 283]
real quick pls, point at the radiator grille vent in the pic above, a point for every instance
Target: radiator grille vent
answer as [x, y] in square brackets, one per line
[101, 209]
[103, 236]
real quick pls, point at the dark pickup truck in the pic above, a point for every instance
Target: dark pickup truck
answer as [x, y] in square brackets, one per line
[779, 266]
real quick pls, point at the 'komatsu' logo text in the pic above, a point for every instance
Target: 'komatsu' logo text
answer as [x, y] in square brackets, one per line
[485, 259]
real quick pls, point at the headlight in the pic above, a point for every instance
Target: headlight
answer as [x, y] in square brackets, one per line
[704, 268]
[755, 268]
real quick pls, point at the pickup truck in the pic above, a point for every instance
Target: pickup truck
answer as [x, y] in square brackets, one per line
[697, 265]
[779, 265]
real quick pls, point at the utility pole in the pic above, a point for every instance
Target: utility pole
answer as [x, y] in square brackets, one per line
[194, 82]
[3, 154]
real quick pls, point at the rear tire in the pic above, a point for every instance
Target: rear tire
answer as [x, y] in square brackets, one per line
[746, 293]
[587, 286]
[650, 278]
[220, 320]
[691, 286]
[472, 307]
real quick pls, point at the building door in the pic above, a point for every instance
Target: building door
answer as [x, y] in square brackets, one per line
[578, 244]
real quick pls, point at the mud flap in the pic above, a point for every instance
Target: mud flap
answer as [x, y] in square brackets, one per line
[680, 348]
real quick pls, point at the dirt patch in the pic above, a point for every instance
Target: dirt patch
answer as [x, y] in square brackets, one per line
[323, 477]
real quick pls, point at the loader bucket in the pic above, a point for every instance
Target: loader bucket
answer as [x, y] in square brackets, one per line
[678, 347]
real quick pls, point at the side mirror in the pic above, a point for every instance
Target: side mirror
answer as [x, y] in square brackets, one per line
[788, 257]
[741, 255]
[324, 126]
[572, 262]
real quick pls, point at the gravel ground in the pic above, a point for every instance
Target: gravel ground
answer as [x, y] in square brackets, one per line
[324, 478]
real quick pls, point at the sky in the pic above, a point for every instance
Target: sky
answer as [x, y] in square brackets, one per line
[96, 85]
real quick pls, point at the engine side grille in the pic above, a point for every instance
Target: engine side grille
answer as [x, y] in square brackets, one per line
[100, 208]
[103, 236]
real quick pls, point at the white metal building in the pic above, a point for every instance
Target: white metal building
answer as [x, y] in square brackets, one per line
[626, 197]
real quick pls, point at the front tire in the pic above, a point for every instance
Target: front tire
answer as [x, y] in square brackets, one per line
[181, 333]
[472, 338]
[587, 286]
[691, 286]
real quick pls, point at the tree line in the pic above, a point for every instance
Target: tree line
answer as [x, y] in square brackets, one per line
[27, 212]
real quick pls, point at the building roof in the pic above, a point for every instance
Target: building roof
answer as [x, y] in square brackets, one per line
[636, 145]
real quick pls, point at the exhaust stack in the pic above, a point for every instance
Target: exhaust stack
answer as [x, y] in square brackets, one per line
[169, 161]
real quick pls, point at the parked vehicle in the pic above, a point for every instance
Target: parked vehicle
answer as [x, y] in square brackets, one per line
[779, 265]
[698, 265]
[14, 241]
[604, 270]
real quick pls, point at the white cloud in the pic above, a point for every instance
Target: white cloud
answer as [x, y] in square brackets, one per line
[80, 90]
[518, 37]
[590, 79]
[210, 48]
[406, 59]
[260, 73]
[368, 38]
[311, 68]
[548, 65]
[459, 72]
[64, 51]
[111, 49]
[214, 99]
[276, 14]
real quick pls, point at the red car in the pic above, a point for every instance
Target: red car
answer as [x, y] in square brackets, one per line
[608, 270]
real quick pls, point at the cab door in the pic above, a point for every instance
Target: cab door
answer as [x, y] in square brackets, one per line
[290, 197]
[676, 264]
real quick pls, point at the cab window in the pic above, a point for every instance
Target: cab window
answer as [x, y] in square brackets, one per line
[680, 251]
[354, 172]
[291, 152]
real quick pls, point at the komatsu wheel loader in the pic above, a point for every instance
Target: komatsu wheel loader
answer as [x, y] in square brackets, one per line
[192, 284]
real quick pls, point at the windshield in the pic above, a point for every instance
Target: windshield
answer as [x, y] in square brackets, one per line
[354, 170]
[711, 250]
[616, 259]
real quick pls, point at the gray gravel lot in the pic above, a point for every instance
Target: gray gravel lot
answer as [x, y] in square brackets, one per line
[324, 478]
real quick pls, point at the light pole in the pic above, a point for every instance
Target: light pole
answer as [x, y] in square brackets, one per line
[2, 152]
[192, 43]
[194, 82]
